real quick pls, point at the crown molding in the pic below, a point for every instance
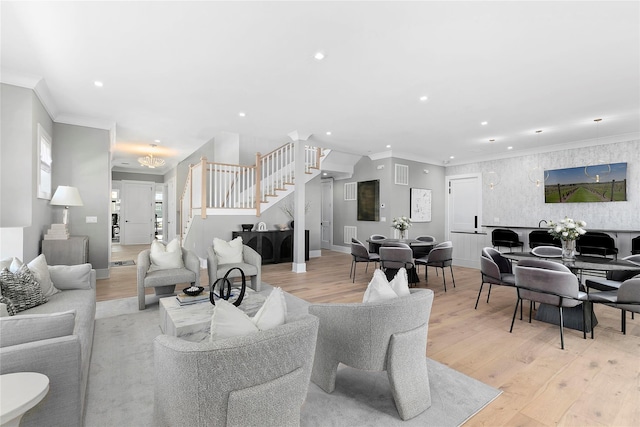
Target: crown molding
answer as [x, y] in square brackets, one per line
[90, 122]
[405, 156]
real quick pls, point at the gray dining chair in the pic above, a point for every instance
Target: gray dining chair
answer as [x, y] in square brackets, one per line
[550, 283]
[359, 253]
[393, 258]
[626, 298]
[495, 270]
[426, 238]
[547, 251]
[373, 247]
[440, 257]
[613, 279]
[420, 251]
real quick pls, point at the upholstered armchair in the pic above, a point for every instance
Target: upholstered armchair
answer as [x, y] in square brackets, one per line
[251, 265]
[495, 270]
[389, 335]
[165, 281]
[260, 379]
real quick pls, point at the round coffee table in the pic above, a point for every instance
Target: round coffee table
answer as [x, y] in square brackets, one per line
[20, 392]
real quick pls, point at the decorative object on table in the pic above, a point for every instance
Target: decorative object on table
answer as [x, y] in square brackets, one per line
[289, 209]
[223, 286]
[64, 196]
[567, 231]
[193, 291]
[246, 227]
[262, 226]
[282, 227]
[402, 224]
[420, 205]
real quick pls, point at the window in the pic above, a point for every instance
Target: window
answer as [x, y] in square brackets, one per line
[45, 159]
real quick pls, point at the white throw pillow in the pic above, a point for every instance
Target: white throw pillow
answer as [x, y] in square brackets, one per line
[165, 257]
[40, 270]
[6, 263]
[400, 283]
[66, 277]
[273, 312]
[229, 321]
[379, 288]
[228, 252]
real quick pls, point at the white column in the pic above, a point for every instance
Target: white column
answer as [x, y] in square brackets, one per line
[299, 264]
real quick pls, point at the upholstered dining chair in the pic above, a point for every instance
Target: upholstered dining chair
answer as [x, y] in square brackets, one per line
[613, 279]
[426, 238]
[389, 335]
[260, 379]
[505, 238]
[164, 281]
[393, 258]
[359, 253]
[547, 251]
[596, 243]
[373, 247]
[420, 251]
[440, 257]
[542, 238]
[495, 270]
[626, 298]
[551, 283]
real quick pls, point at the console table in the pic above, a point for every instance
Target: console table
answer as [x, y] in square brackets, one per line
[274, 246]
[71, 251]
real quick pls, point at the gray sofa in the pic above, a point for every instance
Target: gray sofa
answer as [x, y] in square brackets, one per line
[46, 340]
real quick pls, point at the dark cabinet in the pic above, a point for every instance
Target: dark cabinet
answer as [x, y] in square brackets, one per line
[274, 246]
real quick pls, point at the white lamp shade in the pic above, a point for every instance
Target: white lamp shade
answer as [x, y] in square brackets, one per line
[66, 196]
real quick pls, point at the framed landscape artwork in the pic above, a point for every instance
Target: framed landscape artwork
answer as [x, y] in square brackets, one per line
[369, 200]
[592, 183]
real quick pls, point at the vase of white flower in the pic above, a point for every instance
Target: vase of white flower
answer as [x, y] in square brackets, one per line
[402, 224]
[568, 231]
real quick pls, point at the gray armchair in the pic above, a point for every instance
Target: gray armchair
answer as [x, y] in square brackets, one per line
[259, 379]
[251, 265]
[390, 336]
[495, 270]
[165, 281]
[626, 298]
[359, 253]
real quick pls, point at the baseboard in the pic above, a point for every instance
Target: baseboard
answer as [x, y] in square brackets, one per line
[343, 249]
[299, 267]
[315, 254]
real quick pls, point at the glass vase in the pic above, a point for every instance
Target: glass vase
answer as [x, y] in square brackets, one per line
[403, 234]
[568, 250]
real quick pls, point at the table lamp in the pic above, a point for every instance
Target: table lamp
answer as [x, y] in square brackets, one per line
[64, 196]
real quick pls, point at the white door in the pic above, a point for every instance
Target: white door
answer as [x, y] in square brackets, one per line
[464, 219]
[326, 223]
[170, 216]
[137, 205]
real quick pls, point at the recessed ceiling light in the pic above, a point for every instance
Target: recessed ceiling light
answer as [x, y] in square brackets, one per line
[509, 148]
[156, 140]
[328, 132]
[319, 56]
[484, 123]
[452, 157]
[242, 114]
[388, 146]
[423, 98]
[492, 140]
[98, 83]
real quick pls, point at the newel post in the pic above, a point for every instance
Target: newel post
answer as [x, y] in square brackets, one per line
[203, 190]
[258, 196]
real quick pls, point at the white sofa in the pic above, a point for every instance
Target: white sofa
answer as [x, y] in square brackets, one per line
[45, 339]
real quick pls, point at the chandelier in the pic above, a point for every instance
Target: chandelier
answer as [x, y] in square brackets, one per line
[150, 161]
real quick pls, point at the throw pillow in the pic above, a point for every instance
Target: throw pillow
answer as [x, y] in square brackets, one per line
[229, 321]
[400, 283]
[273, 312]
[40, 271]
[67, 277]
[228, 252]
[35, 327]
[21, 288]
[165, 257]
[6, 263]
[378, 289]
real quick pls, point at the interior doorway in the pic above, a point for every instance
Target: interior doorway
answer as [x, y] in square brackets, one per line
[137, 206]
[326, 221]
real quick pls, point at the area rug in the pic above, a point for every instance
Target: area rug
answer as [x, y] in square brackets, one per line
[120, 388]
[121, 263]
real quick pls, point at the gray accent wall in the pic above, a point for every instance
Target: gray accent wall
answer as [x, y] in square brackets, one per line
[81, 159]
[395, 198]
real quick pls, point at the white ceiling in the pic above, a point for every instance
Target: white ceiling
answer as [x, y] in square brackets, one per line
[181, 72]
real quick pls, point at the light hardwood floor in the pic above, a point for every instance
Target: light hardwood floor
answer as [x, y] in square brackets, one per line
[590, 383]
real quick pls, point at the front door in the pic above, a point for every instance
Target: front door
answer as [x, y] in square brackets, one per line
[326, 238]
[137, 206]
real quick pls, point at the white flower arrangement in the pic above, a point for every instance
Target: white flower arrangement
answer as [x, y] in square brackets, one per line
[401, 223]
[567, 229]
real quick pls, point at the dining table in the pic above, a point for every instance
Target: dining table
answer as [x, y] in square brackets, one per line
[581, 264]
[419, 248]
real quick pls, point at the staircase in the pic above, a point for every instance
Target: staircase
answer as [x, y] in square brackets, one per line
[225, 189]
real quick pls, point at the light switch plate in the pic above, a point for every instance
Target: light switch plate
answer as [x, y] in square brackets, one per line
[92, 219]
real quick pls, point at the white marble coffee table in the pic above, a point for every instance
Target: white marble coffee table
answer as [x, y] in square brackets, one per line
[20, 392]
[193, 322]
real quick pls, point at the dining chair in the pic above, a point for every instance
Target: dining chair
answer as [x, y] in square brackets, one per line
[505, 238]
[550, 283]
[597, 243]
[626, 298]
[393, 258]
[359, 253]
[420, 251]
[542, 238]
[613, 279]
[440, 257]
[373, 247]
[426, 238]
[495, 270]
[547, 251]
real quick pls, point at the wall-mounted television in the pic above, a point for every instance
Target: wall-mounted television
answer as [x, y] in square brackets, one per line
[586, 184]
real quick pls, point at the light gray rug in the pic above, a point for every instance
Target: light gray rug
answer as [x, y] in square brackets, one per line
[120, 389]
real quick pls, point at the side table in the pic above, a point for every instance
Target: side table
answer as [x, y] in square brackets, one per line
[71, 251]
[20, 392]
